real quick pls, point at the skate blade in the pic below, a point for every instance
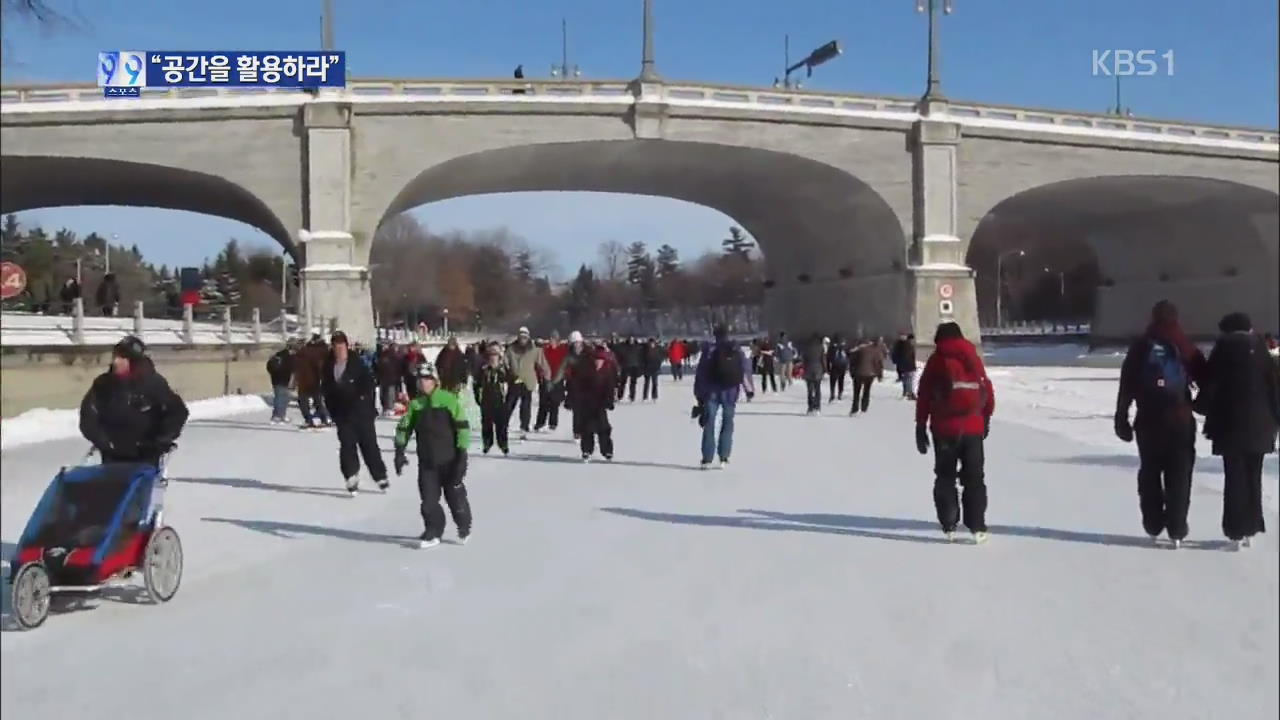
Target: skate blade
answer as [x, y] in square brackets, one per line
[427, 544]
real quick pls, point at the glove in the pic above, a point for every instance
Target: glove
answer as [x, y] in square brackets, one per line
[750, 396]
[696, 412]
[922, 439]
[400, 461]
[986, 427]
[1124, 430]
[460, 468]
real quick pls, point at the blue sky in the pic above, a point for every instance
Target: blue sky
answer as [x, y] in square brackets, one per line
[1019, 52]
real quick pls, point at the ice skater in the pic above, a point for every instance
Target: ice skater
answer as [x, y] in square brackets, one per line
[349, 388]
[436, 420]
[591, 390]
[956, 401]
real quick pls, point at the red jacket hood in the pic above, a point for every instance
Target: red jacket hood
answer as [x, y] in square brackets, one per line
[960, 349]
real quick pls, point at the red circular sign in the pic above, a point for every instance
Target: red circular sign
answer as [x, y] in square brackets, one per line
[945, 291]
[13, 280]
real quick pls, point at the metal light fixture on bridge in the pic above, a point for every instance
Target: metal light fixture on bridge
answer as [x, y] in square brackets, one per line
[820, 55]
[933, 90]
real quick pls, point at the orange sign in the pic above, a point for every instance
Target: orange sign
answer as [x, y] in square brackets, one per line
[13, 280]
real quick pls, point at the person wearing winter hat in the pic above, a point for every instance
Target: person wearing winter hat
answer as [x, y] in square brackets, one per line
[130, 414]
[526, 361]
[438, 424]
[1157, 374]
[578, 355]
[349, 388]
[592, 384]
[551, 388]
[955, 402]
[1241, 404]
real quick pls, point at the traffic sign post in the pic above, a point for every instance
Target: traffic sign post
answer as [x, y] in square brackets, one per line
[13, 280]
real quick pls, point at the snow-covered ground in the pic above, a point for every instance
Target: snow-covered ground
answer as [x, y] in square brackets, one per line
[807, 581]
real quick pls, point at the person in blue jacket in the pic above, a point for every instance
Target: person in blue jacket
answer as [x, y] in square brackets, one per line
[717, 384]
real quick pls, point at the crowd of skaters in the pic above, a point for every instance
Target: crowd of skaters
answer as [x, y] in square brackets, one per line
[1236, 388]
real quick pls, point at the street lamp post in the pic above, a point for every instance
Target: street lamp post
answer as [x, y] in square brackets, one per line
[819, 56]
[445, 311]
[563, 71]
[934, 89]
[1000, 283]
[106, 255]
[648, 70]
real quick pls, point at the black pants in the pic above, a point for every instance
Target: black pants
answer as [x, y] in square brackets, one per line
[627, 383]
[677, 370]
[387, 394]
[357, 438]
[1167, 455]
[837, 381]
[861, 392]
[550, 396]
[493, 427]
[959, 458]
[592, 425]
[431, 483]
[522, 396]
[768, 377]
[815, 393]
[304, 404]
[651, 385]
[1242, 496]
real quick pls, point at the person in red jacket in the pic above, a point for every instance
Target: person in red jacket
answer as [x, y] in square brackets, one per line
[551, 388]
[675, 356]
[955, 400]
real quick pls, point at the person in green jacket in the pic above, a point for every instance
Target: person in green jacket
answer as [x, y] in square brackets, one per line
[436, 419]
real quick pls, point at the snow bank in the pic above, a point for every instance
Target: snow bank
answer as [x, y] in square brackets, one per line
[41, 424]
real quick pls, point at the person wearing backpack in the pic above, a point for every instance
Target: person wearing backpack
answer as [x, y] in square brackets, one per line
[716, 386]
[955, 401]
[814, 359]
[1241, 406]
[838, 365]
[1157, 374]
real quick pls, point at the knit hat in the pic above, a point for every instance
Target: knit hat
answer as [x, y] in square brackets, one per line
[575, 337]
[339, 337]
[424, 369]
[1235, 322]
[130, 348]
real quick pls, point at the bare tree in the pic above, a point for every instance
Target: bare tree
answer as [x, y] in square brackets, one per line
[613, 260]
[38, 13]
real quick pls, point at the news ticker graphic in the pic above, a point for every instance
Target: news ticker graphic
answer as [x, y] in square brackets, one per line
[124, 73]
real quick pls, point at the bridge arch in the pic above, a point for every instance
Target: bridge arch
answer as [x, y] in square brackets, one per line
[834, 249]
[31, 182]
[1208, 244]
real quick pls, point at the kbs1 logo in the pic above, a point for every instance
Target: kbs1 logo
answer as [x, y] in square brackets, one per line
[1127, 63]
[126, 73]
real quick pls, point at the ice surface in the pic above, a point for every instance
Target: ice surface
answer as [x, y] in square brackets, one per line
[807, 581]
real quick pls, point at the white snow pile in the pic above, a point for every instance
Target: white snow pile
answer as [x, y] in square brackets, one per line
[41, 424]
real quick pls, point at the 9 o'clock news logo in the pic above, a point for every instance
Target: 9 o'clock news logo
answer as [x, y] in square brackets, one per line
[122, 73]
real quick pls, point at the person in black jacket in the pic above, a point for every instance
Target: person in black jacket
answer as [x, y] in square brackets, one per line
[130, 413]
[349, 387]
[814, 357]
[1157, 374]
[628, 355]
[280, 370]
[838, 365]
[386, 366]
[904, 360]
[493, 383]
[1241, 405]
[108, 295]
[651, 356]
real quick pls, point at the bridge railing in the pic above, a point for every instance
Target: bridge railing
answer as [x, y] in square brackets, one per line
[803, 101]
[29, 330]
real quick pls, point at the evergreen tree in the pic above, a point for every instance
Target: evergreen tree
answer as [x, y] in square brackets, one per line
[582, 295]
[737, 244]
[638, 263]
[522, 266]
[11, 234]
[668, 261]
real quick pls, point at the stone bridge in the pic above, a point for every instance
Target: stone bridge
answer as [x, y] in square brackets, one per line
[865, 207]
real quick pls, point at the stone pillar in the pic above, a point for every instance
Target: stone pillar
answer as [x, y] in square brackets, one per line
[138, 321]
[226, 324]
[941, 287]
[335, 277]
[649, 111]
[188, 324]
[257, 326]
[77, 321]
